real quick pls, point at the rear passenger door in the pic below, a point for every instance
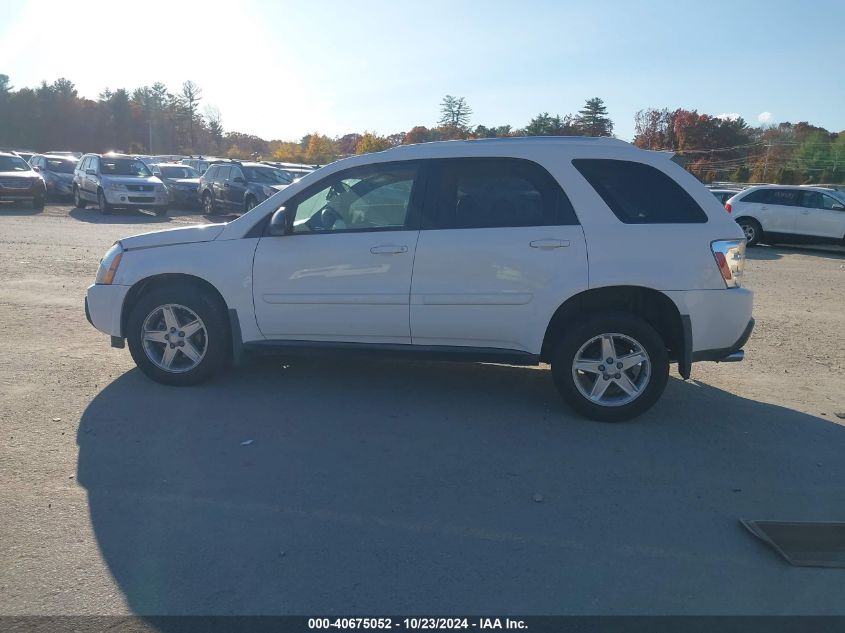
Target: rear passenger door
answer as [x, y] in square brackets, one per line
[779, 211]
[500, 249]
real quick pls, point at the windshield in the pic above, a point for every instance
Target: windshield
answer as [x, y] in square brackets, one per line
[60, 166]
[267, 175]
[13, 163]
[123, 167]
[178, 171]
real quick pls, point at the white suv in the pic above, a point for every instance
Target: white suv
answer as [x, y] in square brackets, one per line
[117, 181]
[785, 213]
[604, 260]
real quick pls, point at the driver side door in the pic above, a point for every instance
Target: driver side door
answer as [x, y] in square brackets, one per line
[343, 273]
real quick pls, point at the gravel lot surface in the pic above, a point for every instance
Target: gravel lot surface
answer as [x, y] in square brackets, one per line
[400, 487]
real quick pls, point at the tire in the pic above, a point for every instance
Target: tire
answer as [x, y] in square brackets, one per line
[105, 207]
[752, 229]
[78, 202]
[160, 211]
[630, 334]
[249, 204]
[188, 304]
[38, 203]
[209, 206]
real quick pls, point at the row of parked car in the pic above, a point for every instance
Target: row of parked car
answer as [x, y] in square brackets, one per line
[113, 180]
[787, 213]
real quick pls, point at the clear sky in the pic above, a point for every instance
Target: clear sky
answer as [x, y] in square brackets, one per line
[283, 69]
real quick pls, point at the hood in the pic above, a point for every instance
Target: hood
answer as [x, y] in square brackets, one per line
[18, 174]
[279, 187]
[182, 181]
[132, 180]
[169, 237]
[58, 175]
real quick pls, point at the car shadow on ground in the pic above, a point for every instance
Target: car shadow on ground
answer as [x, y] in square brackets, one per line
[766, 252]
[7, 208]
[362, 487]
[118, 216]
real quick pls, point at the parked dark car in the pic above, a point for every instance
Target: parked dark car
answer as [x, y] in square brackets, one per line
[19, 182]
[182, 182]
[57, 172]
[238, 186]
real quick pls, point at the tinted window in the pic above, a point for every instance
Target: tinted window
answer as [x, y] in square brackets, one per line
[13, 163]
[639, 193]
[123, 167]
[787, 197]
[818, 200]
[211, 173]
[496, 192]
[366, 198]
[222, 173]
[57, 165]
[755, 196]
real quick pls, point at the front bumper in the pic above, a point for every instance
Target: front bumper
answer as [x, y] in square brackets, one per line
[119, 198]
[104, 307]
[180, 196]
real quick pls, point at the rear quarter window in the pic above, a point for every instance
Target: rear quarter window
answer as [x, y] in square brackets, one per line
[637, 193]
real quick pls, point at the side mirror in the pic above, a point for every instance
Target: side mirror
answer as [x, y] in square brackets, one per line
[91, 172]
[279, 222]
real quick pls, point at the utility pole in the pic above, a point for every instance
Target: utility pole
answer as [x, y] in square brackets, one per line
[766, 162]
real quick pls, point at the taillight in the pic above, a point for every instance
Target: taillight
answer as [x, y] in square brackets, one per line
[728, 207]
[730, 258]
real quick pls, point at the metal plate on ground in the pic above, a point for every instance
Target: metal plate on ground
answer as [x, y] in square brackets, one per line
[803, 543]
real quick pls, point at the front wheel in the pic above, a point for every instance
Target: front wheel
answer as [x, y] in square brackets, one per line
[250, 204]
[178, 335]
[611, 368]
[208, 204]
[104, 206]
[160, 211]
[38, 203]
[78, 202]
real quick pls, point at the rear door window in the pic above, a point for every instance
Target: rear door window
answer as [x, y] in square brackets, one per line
[784, 197]
[637, 193]
[494, 193]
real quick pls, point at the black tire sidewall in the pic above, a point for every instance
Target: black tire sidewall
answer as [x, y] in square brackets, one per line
[758, 230]
[623, 323]
[212, 315]
[102, 203]
[211, 207]
[78, 202]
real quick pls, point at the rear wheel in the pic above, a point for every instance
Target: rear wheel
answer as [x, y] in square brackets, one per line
[78, 202]
[752, 229]
[611, 368]
[178, 335]
[104, 206]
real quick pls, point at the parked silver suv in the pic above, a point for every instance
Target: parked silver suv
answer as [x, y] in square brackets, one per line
[117, 181]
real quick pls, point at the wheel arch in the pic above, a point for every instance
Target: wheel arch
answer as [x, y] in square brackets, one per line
[148, 284]
[654, 307]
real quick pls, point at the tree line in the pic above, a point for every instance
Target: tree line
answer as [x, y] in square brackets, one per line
[154, 120]
[727, 148]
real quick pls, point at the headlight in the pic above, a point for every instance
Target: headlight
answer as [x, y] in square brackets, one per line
[112, 186]
[109, 264]
[269, 191]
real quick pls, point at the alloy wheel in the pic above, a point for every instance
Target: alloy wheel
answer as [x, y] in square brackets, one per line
[611, 369]
[174, 338]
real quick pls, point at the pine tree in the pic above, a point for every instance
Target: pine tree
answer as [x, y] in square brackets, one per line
[593, 119]
[454, 113]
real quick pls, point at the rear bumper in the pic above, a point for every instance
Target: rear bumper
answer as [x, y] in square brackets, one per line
[727, 354]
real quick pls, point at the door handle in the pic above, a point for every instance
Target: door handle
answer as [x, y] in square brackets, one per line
[764, 208]
[545, 244]
[805, 211]
[388, 250]
[226, 186]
